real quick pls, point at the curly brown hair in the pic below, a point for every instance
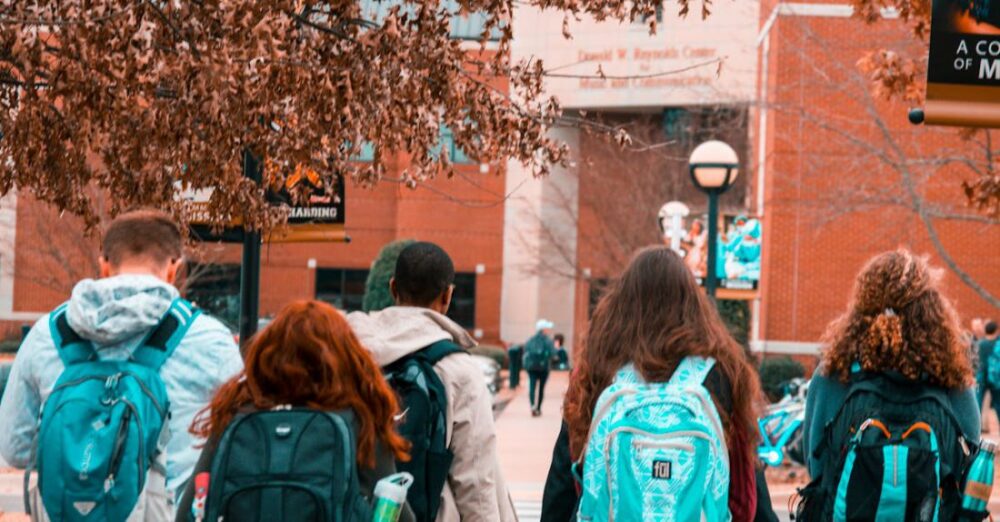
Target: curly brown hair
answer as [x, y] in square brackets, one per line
[899, 320]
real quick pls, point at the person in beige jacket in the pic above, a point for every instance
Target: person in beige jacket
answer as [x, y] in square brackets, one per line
[422, 288]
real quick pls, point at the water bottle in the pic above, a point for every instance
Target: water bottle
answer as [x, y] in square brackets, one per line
[390, 495]
[979, 483]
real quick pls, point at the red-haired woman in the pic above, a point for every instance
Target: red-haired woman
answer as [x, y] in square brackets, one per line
[309, 357]
[651, 318]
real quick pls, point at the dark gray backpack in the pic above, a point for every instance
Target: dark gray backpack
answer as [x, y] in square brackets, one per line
[287, 464]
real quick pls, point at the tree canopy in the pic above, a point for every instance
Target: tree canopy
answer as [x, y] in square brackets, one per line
[146, 98]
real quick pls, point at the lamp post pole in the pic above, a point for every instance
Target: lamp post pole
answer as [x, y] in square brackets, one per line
[713, 166]
[250, 269]
[711, 275]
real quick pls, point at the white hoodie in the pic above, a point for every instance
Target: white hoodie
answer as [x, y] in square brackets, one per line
[475, 491]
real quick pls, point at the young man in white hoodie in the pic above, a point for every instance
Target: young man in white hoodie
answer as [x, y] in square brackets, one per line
[141, 255]
[422, 287]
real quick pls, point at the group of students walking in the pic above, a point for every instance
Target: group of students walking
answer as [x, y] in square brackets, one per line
[127, 403]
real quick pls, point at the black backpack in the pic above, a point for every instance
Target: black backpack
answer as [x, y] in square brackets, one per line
[424, 403]
[894, 449]
[287, 464]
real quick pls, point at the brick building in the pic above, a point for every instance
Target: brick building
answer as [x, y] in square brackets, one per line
[45, 254]
[835, 176]
[845, 176]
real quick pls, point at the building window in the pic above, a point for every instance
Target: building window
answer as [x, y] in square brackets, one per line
[646, 19]
[455, 153]
[677, 125]
[597, 288]
[469, 26]
[367, 153]
[463, 301]
[343, 288]
[215, 288]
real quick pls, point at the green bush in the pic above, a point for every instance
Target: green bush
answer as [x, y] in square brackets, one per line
[776, 371]
[10, 345]
[377, 295]
[496, 353]
[736, 314]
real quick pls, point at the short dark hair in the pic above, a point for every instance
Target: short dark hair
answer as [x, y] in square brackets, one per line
[142, 235]
[424, 271]
[990, 327]
[560, 338]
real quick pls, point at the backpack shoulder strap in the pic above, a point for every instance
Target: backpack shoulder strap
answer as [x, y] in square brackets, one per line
[161, 341]
[439, 350]
[691, 371]
[72, 348]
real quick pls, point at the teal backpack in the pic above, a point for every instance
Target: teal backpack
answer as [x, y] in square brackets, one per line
[537, 353]
[104, 428]
[656, 451]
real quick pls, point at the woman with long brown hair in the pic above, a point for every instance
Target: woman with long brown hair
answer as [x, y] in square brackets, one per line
[895, 360]
[309, 357]
[651, 319]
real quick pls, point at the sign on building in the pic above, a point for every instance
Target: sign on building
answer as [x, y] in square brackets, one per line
[320, 218]
[963, 70]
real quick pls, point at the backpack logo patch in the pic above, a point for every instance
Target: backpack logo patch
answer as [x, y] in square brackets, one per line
[661, 469]
[84, 508]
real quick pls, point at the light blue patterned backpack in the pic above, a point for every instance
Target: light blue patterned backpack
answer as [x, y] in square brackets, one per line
[656, 451]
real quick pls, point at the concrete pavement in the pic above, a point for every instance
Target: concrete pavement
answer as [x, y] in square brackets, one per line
[524, 443]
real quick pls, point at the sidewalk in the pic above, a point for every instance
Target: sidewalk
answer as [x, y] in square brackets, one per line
[524, 443]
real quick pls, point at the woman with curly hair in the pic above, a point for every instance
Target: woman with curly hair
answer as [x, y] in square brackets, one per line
[897, 352]
[652, 320]
[309, 357]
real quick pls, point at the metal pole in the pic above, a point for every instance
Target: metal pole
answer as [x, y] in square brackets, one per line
[250, 269]
[711, 278]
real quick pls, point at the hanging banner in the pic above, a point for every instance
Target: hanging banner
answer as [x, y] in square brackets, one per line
[737, 257]
[319, 219]
[963, 69]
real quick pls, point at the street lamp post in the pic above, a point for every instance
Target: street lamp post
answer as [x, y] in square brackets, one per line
[714, 167]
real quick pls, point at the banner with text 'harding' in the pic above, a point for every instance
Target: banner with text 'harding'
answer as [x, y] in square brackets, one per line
[319, 219]
[963, 69]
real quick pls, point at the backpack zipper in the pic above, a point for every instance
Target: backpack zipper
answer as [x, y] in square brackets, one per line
[142, 445]
[118, 451]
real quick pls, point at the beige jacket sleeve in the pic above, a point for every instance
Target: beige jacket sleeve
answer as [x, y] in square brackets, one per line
[476, 491]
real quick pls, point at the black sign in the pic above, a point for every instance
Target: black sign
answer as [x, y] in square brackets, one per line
[320, 218]
[965, 43]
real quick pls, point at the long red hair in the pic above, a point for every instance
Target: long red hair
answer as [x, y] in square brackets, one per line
[309, 356]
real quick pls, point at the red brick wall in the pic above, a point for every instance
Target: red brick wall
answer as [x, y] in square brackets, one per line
[833, 196]
[464, 215]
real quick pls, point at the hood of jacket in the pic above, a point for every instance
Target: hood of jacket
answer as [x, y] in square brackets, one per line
[119, 310]
[398, 331]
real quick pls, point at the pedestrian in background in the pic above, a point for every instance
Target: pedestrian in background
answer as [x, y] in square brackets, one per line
[132, 314]
[893, 399]
[562, 356]
[656, 342]
[986, 348]
[308, 358]
[538, 352]
[515, 354]
[980, 363]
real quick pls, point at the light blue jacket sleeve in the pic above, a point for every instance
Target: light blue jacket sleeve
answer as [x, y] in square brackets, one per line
[22, 398]
[206, 358]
